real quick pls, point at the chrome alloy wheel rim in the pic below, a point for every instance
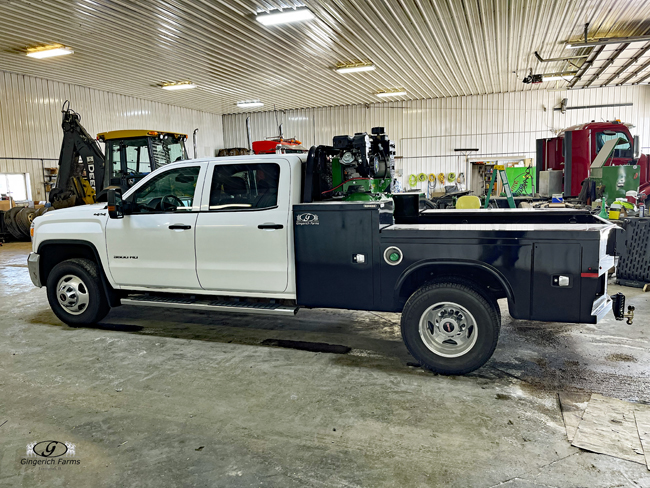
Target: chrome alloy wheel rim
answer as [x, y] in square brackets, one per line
[72, 294]
[448, 329]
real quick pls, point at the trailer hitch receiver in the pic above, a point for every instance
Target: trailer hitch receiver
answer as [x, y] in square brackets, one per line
[619, 308]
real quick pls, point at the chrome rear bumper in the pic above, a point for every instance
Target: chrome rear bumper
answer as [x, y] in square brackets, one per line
[601, 307]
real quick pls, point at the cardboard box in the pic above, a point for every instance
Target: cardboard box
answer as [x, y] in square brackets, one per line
[6, 205]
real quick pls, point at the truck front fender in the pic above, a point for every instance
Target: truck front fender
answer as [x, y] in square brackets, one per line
[54, 251]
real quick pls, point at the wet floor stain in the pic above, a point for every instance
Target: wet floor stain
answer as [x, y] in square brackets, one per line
[624, 358]
[307, 346]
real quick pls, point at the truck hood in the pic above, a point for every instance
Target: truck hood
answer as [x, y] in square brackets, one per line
[70, 213]
[81, 213]
[82, 223]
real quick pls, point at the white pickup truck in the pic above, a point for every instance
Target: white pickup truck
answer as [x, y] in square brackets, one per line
[255, 234]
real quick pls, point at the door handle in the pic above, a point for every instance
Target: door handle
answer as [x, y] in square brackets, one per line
[180, 227]
[270, 226]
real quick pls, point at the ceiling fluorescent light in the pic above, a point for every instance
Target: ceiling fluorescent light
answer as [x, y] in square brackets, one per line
[250, 104]
[392, 93]
[557, 77]
[355, 67]
[178, 86]
[49, 51]
[284, 16]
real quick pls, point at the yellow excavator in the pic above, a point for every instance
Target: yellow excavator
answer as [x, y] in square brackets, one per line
[85, 172]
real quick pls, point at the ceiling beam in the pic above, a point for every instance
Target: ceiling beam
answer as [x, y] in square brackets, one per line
[551, 60]
[586, 65]
[629, 63]
[642, 79]
[635, 73]
[603, 42]
[607, 64]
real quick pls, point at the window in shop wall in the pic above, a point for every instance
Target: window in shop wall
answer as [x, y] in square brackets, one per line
[16, 186]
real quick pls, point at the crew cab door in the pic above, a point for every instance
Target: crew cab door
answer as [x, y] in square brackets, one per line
[242, 233]
[154, 246]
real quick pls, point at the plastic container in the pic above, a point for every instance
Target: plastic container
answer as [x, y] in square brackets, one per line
[614, 211]
[631, 196]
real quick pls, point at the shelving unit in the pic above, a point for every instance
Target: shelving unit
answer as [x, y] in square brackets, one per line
[49, 178]
[482, 173]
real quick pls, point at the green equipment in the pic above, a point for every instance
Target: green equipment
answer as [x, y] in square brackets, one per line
[617, 180]
[362, 167]
[501, 169]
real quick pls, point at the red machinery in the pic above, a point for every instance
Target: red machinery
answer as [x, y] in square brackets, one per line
[575, 148]
[272, 146]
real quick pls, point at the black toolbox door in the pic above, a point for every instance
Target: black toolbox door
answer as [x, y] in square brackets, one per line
[551, 301]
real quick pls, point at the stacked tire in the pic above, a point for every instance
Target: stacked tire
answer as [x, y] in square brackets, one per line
[18, 221]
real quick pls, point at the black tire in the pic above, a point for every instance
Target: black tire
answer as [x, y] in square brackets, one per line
[427, 204]
[482, 328]
[468, 283]
[12, 225]
[87, 272]
[24, 220]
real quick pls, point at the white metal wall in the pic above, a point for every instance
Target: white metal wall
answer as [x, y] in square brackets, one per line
[30, 121]
[426, 132]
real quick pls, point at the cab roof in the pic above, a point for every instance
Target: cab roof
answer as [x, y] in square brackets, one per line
[127, 134]
[593, 125]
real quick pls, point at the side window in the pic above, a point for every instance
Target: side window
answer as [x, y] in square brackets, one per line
[171, 191]
[244, 186]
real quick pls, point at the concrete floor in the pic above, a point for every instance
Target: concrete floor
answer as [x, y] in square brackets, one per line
[167, 398]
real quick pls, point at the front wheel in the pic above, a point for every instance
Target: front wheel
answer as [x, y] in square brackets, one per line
[450, 328]
[76, 293]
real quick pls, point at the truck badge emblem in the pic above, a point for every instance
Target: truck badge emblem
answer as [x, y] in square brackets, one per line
[307, 219]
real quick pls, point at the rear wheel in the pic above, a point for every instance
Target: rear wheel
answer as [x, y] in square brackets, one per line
[468, 283]
[76, 293]
[450, 328]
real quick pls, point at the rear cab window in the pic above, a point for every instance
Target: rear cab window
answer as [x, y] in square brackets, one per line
[248, 186]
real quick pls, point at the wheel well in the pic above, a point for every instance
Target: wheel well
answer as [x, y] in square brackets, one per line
[486, 280]
[54, 253]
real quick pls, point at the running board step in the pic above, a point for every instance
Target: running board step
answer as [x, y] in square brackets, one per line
[214, 305]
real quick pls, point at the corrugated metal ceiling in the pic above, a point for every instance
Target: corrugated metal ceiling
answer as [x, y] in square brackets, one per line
[433, 48]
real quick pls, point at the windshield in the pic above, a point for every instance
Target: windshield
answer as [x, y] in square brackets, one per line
[167, 150]
[603, 137]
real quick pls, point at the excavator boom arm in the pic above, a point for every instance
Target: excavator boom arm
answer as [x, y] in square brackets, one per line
[77, 143]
